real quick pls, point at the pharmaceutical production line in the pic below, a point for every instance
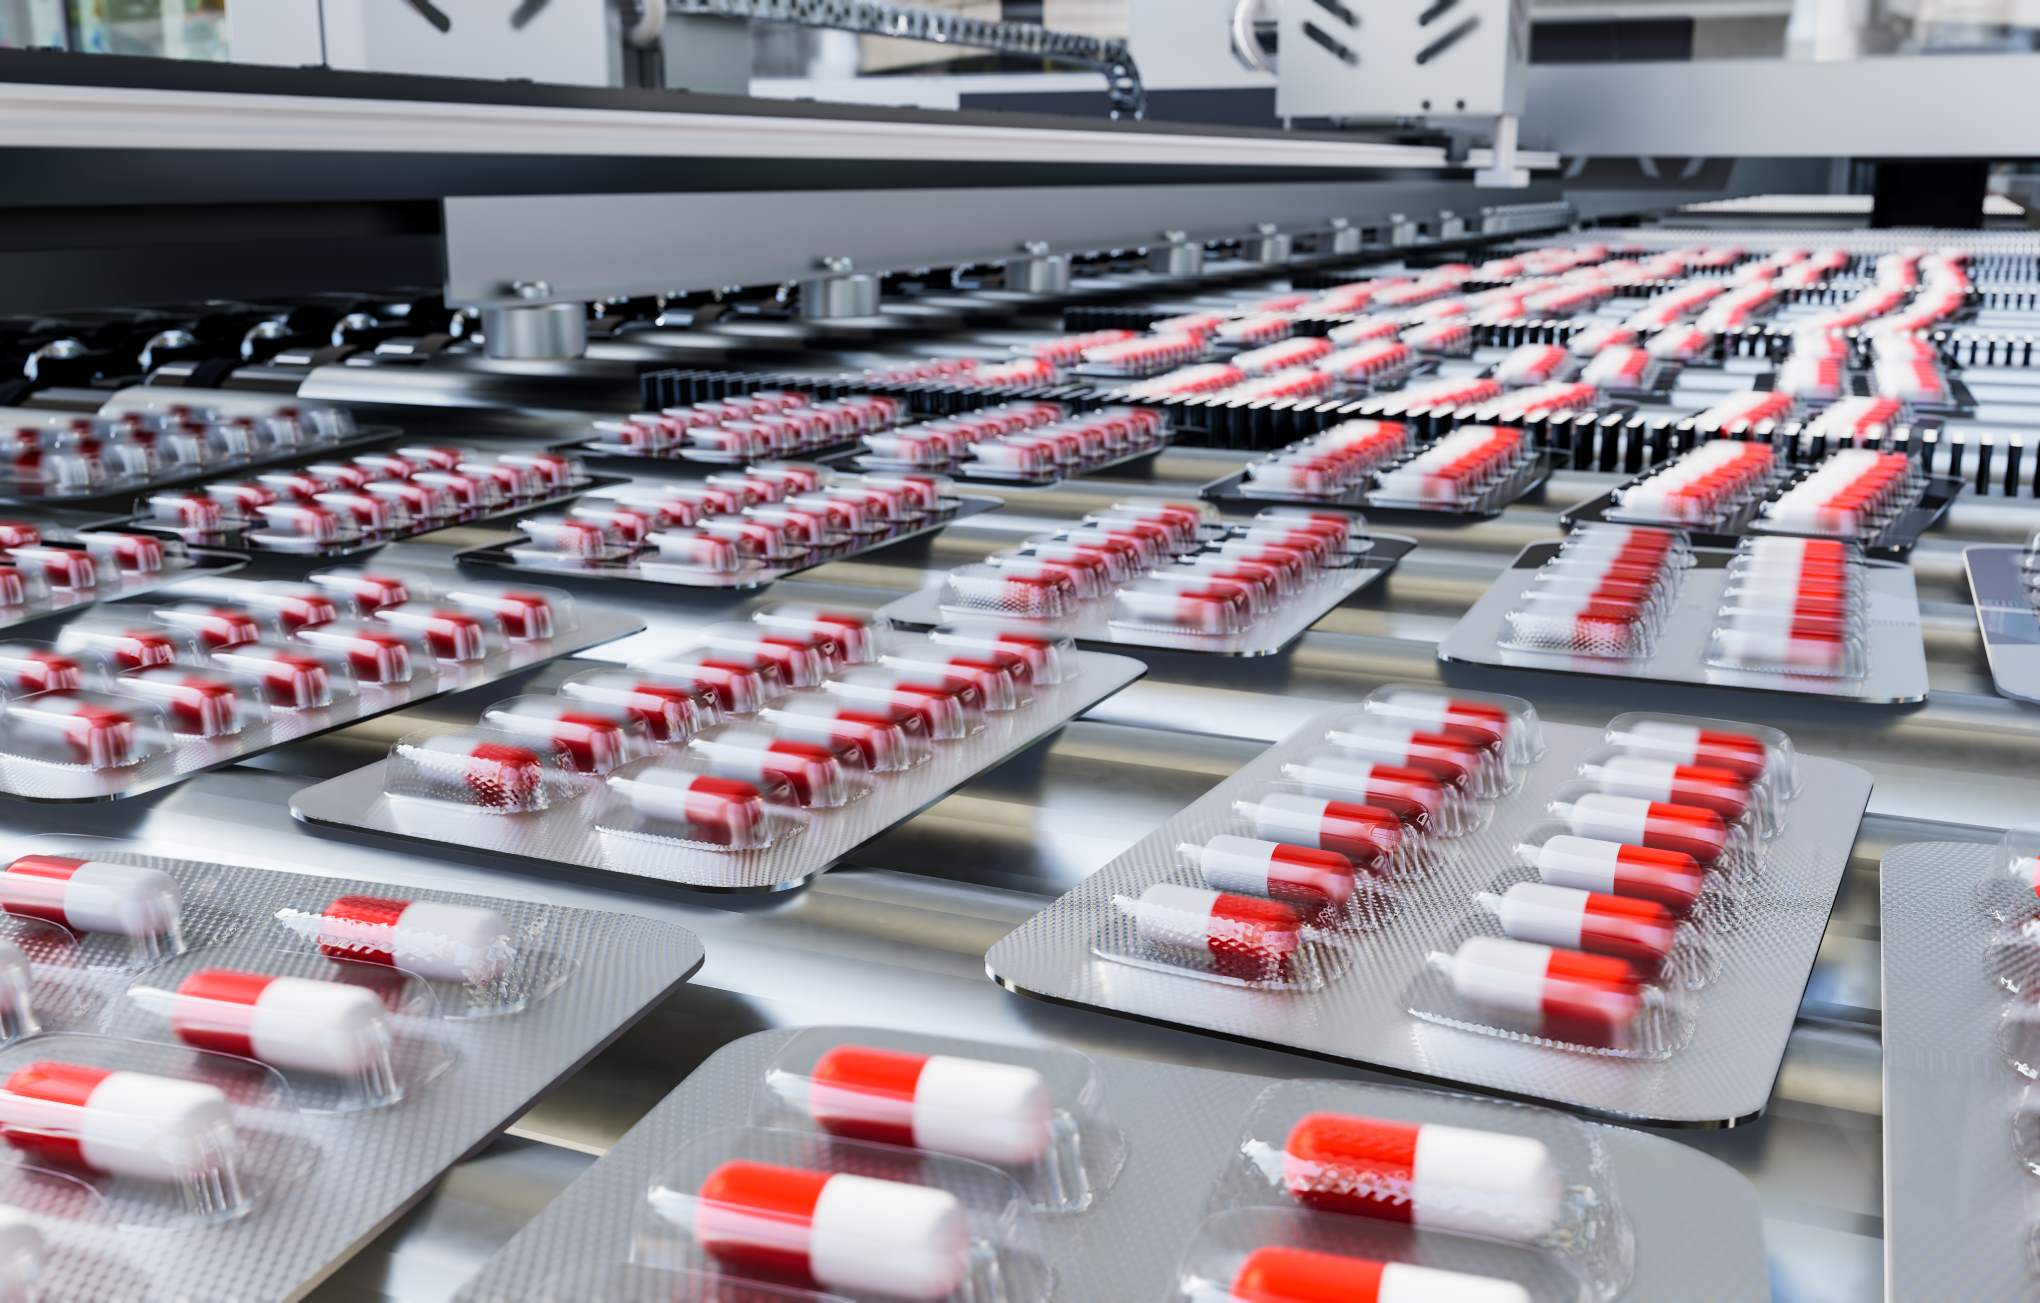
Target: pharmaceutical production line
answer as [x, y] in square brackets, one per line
[966, 707]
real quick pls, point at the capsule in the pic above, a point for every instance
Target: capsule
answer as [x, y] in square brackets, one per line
[854, 633]
[810, 771]
[496, 775]
[375, 655]
[998, 676]
[1640, 931]
[1671, 878]
[368, 592]
[1567, 994]
[523, 615]
[438, 941]
[670, 710]
[990, 1112]
[92, 895]
[722, 811]
[292, 606]
[1275, 1274]
[851, 1233]
[287, 1022]
[1050, 657]
[1697, 832]
[130, 1124]
[1413, 796]
[1741, 753]
[213, 626]
[197, 704]
[450, 635]
[1238, 934]
[1436, 711]
[1809, 645]
[1306, 876]
[595, 739]
[800, 665]
[288, 679]
[1433, 1177]
[60, 567]
[883, 741]
[948, 710]
[1453, 757]
[1721, 790]
[736, 689]
[98, 732]
[1364, 835]
[27, 668]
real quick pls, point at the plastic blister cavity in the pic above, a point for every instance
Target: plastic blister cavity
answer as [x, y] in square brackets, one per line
[1220, 936]
[1793, 606]
[683, 802]
[1489, 719]
[480, 960]
[757, 1207]
[165, 1135]
[493, 770]
[106, 913]
[1550, 996]
[1455, 471]
[1604, 595]
[1457, 1175]
[1036, 1113]
[345, 1035]
[84, 730]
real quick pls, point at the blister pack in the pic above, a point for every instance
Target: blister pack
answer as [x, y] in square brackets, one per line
[752, 759]
[1709, 486]
[1196, 1214]
[52, 564]
[139, 695]
[743, 428]
[1327, 465]
[743, 529]
[2004, 586]
[1167, 574]
[1622, 924]
[258, 1068]
[146, 437]
[1855, 494]
[340, 507]
[1775, 615]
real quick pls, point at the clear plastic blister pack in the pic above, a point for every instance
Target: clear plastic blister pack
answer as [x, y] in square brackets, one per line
[1791, 615]
[1621, 924]
[750, 759]
[745, 427]
[1793, 606]
[1605, 594]
[257, 1067]
[1625, 894]
[1439, 1195]
[146, 436]
[132, 697]
[741, 529]
[856, 1221]
[1329, 464]
[1472, 466]
[1707, 487]
[337, 508]
[1856, 494]
[1168, 574]
[1276, 892]
[1024, 443]
[49, 566]
[1638, 1217]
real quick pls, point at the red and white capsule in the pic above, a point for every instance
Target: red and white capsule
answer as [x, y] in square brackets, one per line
[1235, 934]
[1415, 797]
[198, 704]
[1697, 832]
[1305, 876]
[294, 1023]
[848, 1233]
[595, 739]
[376, 655]
[714, 809]
[289, 679]
[1364, 835]
[449, 634]
[130, 1124]
[495, 775]
[809, 770]
[1673, 879]
[1640, 931]
[1565, 994]
[1431, 1176]
[991, 1112]
[1723, 791]
[438, 941]
[1278, 1274]
[92, 895]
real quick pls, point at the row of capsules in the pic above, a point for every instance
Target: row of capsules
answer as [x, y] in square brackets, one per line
[118, 688]
[370, 498]
[1030, 441]
[1315, 856]
[1795, 606]
[1459, 470]
[1627, 885]
[1909, 368]
[1855, 494]
[1705, 486]
[1605, 593]
[741, 737]
[1816, 369]
[40, 572]
[1330, 463]
[170, 1059]
[1164, 566]
[732, 526]
[1746, 410]
[895, 1165]
[749, 427]
[142, 435]
[1534, 364]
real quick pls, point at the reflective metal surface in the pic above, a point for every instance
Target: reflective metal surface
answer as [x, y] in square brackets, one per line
[900, 937]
